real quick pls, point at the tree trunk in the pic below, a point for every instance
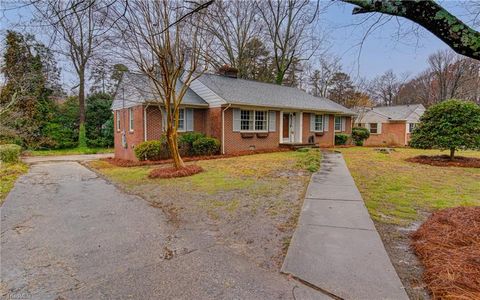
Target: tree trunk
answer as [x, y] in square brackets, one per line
[82, 134]
[81, 97]
[173, 147]
[452, 153]
[279, 77]
[431, 16]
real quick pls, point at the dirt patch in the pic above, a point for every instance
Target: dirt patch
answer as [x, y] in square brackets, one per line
[448, 244]
[130, 163]
[173, 172]
[445, 161]
[409, 268]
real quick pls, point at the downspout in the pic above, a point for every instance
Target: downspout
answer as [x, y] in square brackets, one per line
[223, 127]
[145, 122]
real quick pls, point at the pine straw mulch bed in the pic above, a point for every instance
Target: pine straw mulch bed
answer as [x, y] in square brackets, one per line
[445, 161]
[172, 172]
[130, 163]
[448, 244]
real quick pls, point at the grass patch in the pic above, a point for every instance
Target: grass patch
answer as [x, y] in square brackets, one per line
[309, 159]
[397, 191]
[71, 151]
[251, 202]
[8, 175]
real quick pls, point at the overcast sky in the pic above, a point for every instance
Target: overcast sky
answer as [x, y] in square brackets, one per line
[382, 50]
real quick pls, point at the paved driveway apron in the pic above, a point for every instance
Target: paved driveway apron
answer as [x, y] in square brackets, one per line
[66, 232]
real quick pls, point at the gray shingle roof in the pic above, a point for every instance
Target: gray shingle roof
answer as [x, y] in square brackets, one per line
[410, 113]
[135, 89]
[254, 93]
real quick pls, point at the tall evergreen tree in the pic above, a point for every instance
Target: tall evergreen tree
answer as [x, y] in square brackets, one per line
[29, 71]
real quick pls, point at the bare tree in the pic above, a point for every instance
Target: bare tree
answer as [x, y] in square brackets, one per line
[384, 89]
[288, 25]
[80, 27]
[233, 24]
[452, 74]
[321, 78]
[431, 16]
[167, 51]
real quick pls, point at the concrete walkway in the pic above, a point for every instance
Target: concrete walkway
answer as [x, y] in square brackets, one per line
[336, 246]
[57, 158]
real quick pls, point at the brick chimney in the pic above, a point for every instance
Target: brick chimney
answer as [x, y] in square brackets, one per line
[228, 71]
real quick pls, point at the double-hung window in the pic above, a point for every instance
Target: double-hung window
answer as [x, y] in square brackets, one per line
[130, 119]
[411, 127]
[318, 122]
[118, 120]
[373, 128]
[338, 123]
[181, 119]
[253, 120]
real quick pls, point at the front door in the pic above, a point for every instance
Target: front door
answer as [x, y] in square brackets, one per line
[288, 130]
[286, 127]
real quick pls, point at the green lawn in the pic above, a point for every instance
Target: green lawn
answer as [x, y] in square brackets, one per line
[397, 192]
[8, 175]
[71, 151]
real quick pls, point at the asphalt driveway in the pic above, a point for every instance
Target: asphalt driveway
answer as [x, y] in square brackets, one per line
[67, 233]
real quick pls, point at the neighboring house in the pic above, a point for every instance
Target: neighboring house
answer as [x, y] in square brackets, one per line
[242, 114]
[389, 125]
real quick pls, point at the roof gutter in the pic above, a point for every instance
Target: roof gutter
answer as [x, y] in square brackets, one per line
[223, 127]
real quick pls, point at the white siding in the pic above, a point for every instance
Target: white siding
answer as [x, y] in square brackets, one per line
[207, 94]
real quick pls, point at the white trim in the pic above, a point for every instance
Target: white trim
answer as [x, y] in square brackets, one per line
[118, 125]
[280, 129]
[223, 128]
[254, 111]
[315, 122]
[301, 127]
[131, 118]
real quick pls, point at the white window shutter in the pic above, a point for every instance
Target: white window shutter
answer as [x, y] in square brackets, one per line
[236, 119]
[325, 122]
[312, 122]
[367, 125]
[272, 119]
[344, 123]
[189, 119]
[379, 128]
[164, 119]
[408, 127]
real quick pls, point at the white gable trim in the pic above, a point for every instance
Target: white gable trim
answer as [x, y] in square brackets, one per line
[207, 94]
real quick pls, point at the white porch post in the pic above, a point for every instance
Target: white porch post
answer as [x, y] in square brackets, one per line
[280, 129]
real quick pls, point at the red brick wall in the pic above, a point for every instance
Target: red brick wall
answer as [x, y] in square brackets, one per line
[154, 123]
[154, 128]
[393, 134]
[327, 139]
[234, 141]
[133, 138]
[213, 122]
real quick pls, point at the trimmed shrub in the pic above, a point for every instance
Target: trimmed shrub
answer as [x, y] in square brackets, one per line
[359, 135]
[449, 125]
[152, 150]
[186, 140]
[341, 139]
[206, 146]
[10, 153]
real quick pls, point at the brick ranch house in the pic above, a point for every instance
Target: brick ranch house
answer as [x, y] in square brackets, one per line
[389, 125]
[242, 114]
